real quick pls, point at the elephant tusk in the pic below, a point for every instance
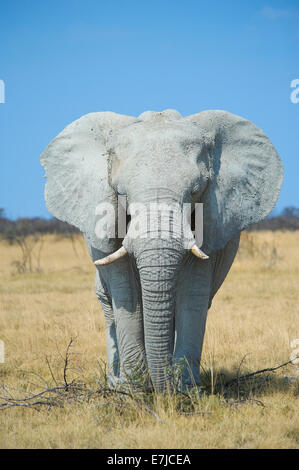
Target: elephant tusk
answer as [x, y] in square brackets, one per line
[112, 258]
[198, 253]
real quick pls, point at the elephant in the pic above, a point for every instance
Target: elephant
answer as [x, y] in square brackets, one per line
[155, 291]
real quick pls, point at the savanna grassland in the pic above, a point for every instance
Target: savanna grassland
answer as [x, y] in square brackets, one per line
[251, 323]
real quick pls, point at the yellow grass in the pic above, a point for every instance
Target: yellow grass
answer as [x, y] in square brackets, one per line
[253, 319]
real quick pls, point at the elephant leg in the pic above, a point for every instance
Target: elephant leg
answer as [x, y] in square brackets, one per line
[111, 339]
[119, 294]
[126, 303]
[192, 304]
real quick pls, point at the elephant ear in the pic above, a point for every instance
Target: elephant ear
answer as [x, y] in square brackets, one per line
[245, 176]
[76, 164]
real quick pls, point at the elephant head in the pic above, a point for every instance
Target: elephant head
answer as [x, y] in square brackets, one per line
[214, 157]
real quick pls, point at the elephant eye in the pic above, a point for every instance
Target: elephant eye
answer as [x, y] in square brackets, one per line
[195, 196]
[195, 190]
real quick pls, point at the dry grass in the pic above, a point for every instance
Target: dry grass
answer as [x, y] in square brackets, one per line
[253, 319]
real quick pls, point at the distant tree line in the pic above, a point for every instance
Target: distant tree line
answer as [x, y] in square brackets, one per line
[287, 220]
[22, 227]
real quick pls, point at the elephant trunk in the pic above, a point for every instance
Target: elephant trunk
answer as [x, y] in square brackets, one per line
[158, 264]
[158, 244]
[159, 238]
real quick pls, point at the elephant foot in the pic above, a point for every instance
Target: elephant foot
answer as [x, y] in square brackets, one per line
[191, 389]
[123, 383]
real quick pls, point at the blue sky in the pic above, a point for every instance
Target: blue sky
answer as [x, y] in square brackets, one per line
[62, 59]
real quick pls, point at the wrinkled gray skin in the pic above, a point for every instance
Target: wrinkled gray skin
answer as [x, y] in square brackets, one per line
[156, 299]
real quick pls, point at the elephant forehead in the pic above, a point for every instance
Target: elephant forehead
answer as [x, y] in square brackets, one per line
[155, 161]
[155, 135]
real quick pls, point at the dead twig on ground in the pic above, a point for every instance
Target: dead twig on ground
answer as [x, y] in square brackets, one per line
[252, 374]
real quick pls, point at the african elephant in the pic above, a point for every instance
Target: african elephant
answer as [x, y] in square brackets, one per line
[155, 291]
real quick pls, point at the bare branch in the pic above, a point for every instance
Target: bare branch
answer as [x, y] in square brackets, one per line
[50, 369]
[261, 371]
